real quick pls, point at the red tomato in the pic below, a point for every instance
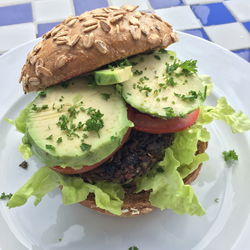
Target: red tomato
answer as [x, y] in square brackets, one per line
[69, 170]
[155, 125]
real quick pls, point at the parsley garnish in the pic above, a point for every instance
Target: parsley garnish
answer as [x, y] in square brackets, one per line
[105, 96]
[163, 51]
[188, 67]
[85, 147]
[171, 68]
[157, 57]
[137, 72]
[113, 138]
[42, 94]
[72, 112]
[170, 81]
[4, 196]
[230, 156]
[169, 112]
[38, 109]
[63, 122]
[95, 123]
[49, 137]
[61, 98]
[190, 97]
[120, 64]
[50, 147]
[133, 248]
[59, 140]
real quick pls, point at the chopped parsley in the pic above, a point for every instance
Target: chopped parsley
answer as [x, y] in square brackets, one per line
[137, 72]
[4, 196]
[95, 122]
[85, 147]
[170, 82]
[61, 98]
[171, 68]
[73, 111]
[216, 200]
[133, 248]
[157, 57]
[163, 51]
[189, 67]
[60, 108]
[190, 97]
[63, 122]
[120, 64]
[113, 138]
[230, 156]
[50, 147]
[49, 137]
[42, 94]
[38, 109]
[169, 112]
[144, 88]
[105, 96]
[59, 140]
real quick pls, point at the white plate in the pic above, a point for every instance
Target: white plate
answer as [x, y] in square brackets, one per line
[226, 223]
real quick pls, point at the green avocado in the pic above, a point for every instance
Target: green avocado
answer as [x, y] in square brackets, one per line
[164, 86]
[76, 126]
[113, 76]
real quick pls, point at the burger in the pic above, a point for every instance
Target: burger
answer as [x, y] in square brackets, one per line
[118, 120]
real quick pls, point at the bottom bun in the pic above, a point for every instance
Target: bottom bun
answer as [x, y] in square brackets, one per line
[138, 203]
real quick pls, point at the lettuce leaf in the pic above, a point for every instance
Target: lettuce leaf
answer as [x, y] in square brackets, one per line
[238, 121]
[20, 121]
[185, 170]
[167, 188]
[107, 195]
[185, 143]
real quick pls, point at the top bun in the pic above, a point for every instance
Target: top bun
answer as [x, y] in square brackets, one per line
[81, 44]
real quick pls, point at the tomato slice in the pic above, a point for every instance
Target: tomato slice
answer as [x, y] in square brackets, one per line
[155, 125]
[69, 170]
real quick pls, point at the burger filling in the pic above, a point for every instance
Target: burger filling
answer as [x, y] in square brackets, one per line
[137, 156]
[80, 132]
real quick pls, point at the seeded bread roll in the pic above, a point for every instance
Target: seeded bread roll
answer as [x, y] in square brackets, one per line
[81, 44]
[138, 204]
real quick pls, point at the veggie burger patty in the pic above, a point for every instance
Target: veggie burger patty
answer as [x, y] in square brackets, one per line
[137, 156]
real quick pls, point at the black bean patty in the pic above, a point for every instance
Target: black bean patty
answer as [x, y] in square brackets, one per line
[137, 156]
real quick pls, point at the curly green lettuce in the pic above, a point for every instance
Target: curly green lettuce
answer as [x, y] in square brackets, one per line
[108, 196]
[165, 180]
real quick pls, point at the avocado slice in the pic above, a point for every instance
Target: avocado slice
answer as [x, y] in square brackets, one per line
[76, 126]
[163, 86]
[113, 76]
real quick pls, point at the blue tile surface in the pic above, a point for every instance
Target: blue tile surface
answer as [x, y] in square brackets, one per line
[244, 53]
[85, 5]
[44, 27]
[21, 13]
[213, 14]
[247, 25]
[198, 32]
[158, 4]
